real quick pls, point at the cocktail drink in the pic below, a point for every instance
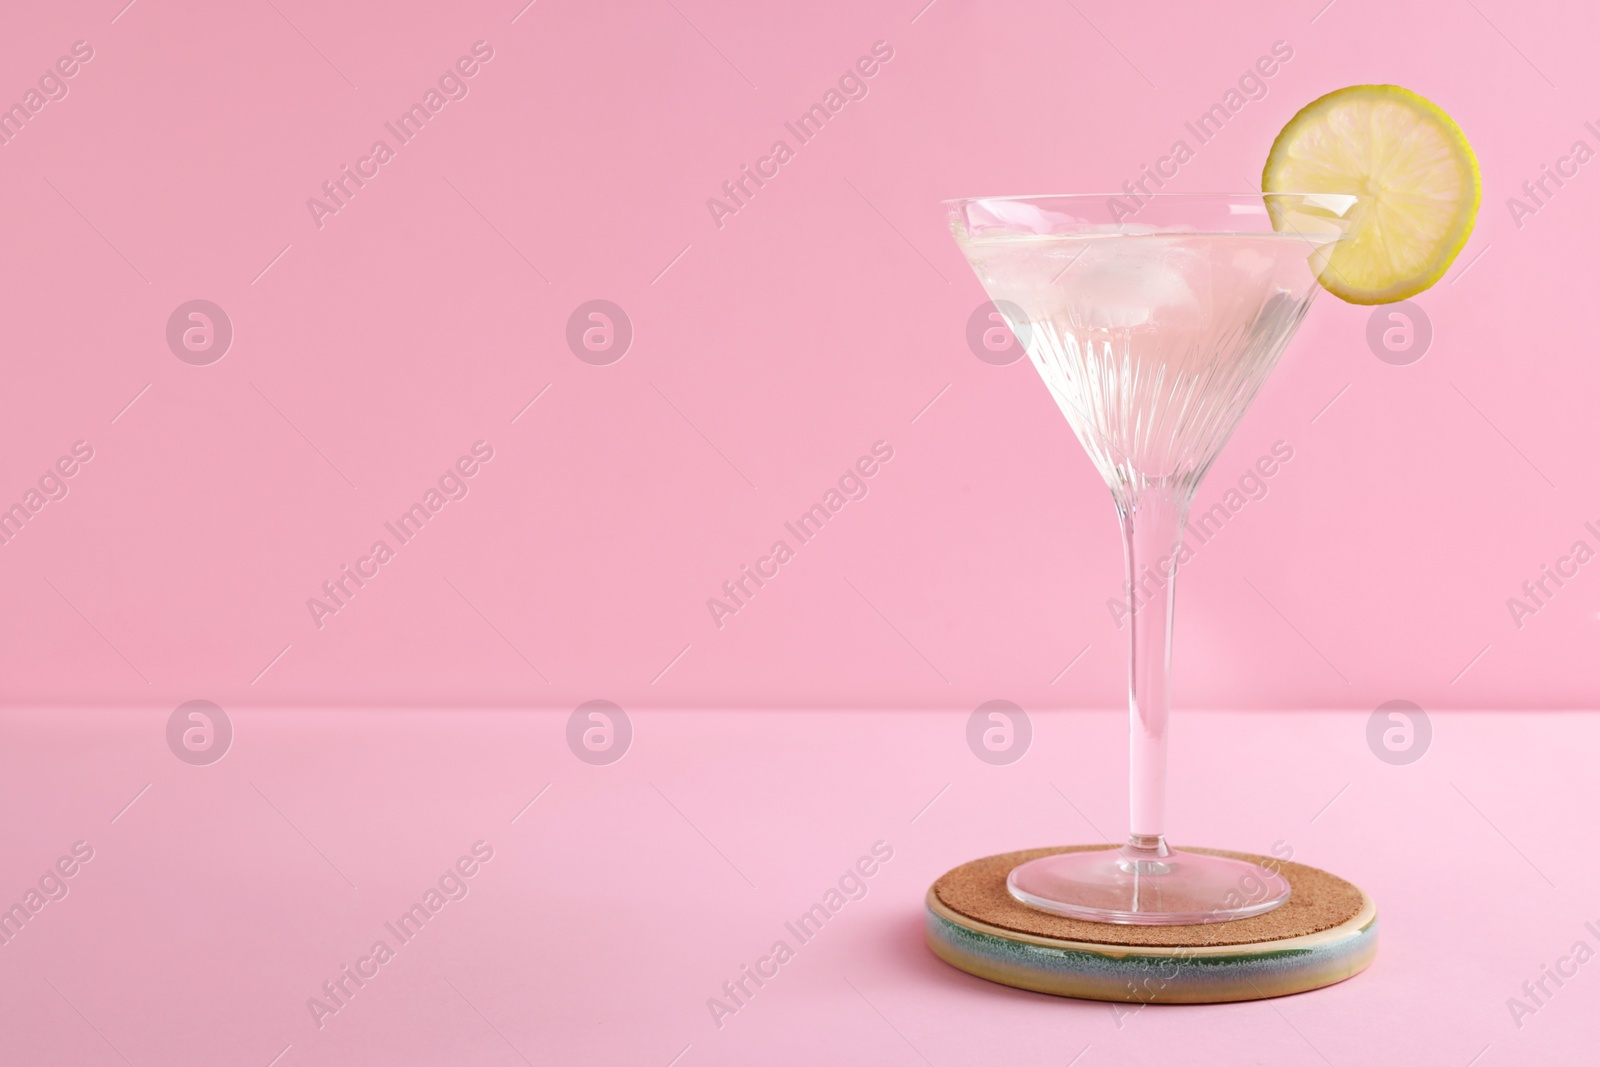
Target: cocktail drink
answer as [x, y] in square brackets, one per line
[1153, 333]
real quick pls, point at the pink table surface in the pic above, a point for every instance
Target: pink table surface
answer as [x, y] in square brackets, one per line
[219, 898]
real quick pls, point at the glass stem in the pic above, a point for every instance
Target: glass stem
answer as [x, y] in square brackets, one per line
[1153, 518]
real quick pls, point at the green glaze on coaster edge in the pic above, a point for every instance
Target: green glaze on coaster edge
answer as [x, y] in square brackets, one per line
[1146, 975]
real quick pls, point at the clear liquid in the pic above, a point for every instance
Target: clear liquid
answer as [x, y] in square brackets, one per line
[1153, 344]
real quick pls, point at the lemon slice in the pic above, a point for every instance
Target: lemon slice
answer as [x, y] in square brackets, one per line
[1392, 146]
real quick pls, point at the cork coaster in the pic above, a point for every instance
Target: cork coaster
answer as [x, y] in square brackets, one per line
[1324, 933]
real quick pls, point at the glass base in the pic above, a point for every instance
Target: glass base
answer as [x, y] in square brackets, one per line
[1145, 883]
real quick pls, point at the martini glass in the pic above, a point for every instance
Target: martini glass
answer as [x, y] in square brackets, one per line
[1154, 324]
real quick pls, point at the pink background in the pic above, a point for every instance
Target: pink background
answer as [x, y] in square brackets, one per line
[823, 317]
[768, 354]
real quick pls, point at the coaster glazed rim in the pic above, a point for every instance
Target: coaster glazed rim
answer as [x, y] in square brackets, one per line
[1364, 917]
[1212, 972]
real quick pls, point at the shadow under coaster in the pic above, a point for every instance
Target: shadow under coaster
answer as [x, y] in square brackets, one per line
[1324, 933]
